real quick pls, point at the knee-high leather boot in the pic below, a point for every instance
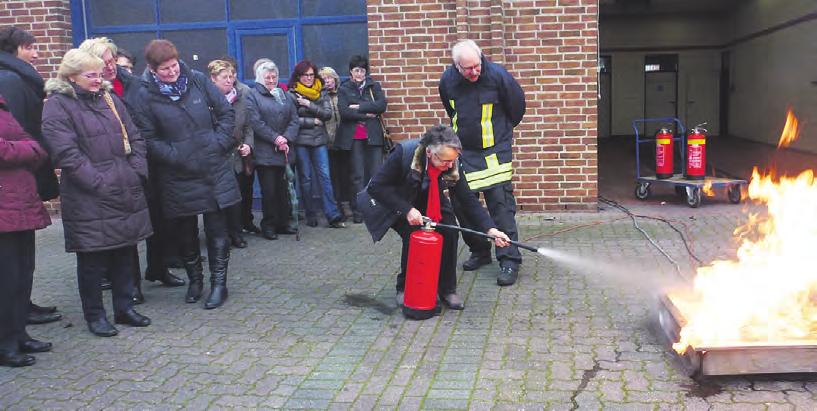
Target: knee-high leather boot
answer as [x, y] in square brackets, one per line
[195, 275]
[219, 256]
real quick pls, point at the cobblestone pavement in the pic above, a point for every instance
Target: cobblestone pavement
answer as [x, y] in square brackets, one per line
[312, 324]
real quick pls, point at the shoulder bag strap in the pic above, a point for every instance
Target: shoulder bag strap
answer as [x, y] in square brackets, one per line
[125, 141]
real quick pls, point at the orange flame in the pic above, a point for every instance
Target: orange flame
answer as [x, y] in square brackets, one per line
[707, 189]
[790, 131]
[769, 293]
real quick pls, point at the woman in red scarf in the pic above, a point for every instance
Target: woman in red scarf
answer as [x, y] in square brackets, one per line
[418, 178]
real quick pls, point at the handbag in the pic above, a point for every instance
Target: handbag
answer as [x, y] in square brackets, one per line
[388, 143]
[246, 165]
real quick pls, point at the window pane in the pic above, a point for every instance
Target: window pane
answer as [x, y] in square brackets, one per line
[121, 12]
[333, 8]
[181, 11]
[271, 46]
[263, 9]
[198, 47]
[135, 43]
[333, 44]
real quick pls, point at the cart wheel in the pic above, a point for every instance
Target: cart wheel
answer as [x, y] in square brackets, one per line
[642, 191]
[734, 193]
[693, 196]
[680, 191]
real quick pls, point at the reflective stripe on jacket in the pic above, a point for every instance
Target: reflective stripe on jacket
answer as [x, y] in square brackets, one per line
[483, 114]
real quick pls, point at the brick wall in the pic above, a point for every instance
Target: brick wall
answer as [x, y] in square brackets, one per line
[550, 46]
[50, 22]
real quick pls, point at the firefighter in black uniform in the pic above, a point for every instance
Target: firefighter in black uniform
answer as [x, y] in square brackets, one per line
[485, 103]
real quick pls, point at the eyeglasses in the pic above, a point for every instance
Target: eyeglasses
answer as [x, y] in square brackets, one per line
[92, 76]
[445, 162]
[358, 70]
[308, 75]
[472, 68]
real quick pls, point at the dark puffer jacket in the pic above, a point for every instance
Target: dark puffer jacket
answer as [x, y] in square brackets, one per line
[22, 87]
[309, 133]
[101, 187]
[348, 94]
[190, 142]
[270, 119]
[20, 207]
[242, 132]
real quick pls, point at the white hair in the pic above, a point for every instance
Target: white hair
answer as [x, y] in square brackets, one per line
[464, 45]
[262, 69]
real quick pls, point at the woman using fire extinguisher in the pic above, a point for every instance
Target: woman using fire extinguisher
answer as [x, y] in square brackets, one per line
[417, 179]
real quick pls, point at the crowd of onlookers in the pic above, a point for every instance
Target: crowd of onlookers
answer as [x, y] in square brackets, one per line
[143, 155]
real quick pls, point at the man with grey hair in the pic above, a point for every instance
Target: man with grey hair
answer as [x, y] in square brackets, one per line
[485, 103]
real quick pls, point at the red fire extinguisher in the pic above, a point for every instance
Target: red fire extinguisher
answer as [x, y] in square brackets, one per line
[422, 273]
[663, 154]
[696, 153]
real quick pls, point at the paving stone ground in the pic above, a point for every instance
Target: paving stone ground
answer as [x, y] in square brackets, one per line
[313, 324]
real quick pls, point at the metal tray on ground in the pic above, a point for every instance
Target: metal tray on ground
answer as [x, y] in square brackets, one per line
[736, 360]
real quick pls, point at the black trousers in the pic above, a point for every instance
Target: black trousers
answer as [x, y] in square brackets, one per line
[274, 197]
[240, 215]
[341, 175]
[17, 259]
[502, 208]
[91, 266]
[215, 231]
[364, 161]
[162, 244]
[448, 266]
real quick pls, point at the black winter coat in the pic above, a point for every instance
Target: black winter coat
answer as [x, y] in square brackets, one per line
[23, 89]
[101, 188]
[271, 119]
[189, 143]
[399, 182]
[348, 95]
[310, 134]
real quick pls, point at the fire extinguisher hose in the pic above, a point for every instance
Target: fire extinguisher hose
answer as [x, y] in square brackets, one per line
[479, 233]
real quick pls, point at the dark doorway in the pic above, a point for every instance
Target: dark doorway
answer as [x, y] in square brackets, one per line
[605, 106]
[725, 88]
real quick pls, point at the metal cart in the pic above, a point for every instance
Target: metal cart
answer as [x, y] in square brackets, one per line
[690, 189]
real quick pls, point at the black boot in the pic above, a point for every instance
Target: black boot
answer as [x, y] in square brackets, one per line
[164, 276]
[195, 275]
[219, 256]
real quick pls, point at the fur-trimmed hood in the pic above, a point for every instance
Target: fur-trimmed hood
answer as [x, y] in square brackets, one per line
[59, 86]
[418, 164]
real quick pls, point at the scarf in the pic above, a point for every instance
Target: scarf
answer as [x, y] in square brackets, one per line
[311, 93]
[433, 208]
[232, 96]
[173, 90]
[276, 93]
[361, 86]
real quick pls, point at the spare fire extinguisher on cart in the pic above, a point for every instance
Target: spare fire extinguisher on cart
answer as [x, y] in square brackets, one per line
[696, 153]
[663, 154]
[425, 253]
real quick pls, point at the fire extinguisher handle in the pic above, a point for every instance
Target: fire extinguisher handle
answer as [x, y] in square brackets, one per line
[479, 233]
